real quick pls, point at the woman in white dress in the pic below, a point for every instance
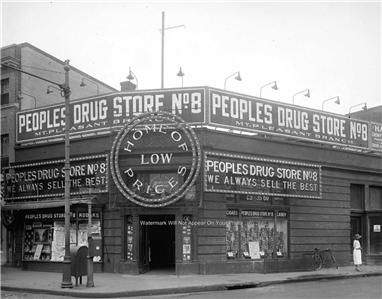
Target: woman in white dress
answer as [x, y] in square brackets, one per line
[357, 257]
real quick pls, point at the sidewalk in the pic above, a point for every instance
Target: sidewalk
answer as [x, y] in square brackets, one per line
[109, 285]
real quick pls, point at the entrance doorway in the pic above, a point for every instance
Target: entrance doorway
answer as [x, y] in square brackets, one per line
[157, 243]
[355, 228]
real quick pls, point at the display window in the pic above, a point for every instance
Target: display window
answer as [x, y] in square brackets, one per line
[367, 208]
[37, 241]
[375, 223]
[253, 234]
[44, 233]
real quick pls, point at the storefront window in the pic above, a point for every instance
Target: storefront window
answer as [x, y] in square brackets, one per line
[253, 235]
[232, 238]
[374, 203]
[375, 234]
[44, 234]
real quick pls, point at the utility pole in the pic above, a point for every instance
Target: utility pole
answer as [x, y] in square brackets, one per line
[66, 275]
[65, 89]
[90, 279]
[162, 63]
[162, 58]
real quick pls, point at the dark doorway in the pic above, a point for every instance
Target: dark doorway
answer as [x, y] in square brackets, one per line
[158, 242]
[355, 228]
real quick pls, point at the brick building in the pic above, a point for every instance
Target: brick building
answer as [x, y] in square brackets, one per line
[20, 91]
[209, 181]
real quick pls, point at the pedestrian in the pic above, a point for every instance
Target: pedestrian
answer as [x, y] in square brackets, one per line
[357, 257]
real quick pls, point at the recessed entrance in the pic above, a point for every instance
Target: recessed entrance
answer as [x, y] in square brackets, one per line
[157, 242]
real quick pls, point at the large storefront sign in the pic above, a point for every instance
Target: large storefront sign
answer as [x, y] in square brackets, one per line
[376, 136]
[109, 111]
[155, 159]
[252, 114]
[49, 215]
[236, 174]
[198, 106]
[47, 179]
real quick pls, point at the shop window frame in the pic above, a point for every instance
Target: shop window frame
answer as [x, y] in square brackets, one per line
[368, 230]
[45, 224]
[241, 219]
[364, 214]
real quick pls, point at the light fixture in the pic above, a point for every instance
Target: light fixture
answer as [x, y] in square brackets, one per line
[364, 107]
[238, 78]
[50, 89]
[306, 93]
[84, 84]
[337, 101]
[180, 74]
[132, 76]
[274, 86]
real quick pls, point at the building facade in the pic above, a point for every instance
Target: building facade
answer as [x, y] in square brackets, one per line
[209, 181]
[20, 91]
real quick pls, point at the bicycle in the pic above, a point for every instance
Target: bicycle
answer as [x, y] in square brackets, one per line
[318, 259]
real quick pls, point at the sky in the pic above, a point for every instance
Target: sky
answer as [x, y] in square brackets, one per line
[331, 48]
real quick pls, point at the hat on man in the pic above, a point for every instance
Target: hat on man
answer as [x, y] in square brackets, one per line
[357, 236]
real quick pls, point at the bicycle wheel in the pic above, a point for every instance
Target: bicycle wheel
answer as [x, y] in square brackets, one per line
[317, 261]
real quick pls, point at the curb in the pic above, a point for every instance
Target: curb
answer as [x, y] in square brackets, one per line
[319, 277]
[192, 289]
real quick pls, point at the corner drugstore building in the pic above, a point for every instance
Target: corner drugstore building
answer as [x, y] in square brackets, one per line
[213, 182]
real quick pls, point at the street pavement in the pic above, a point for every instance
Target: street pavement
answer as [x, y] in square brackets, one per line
[113, 285]
[355, 288]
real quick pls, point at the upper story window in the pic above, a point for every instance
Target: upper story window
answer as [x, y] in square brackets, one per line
[374, 202]
[4, 145]
[5, 91]
[5, 85]
[357, 196]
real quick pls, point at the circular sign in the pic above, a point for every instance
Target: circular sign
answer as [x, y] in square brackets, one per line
[155, 159]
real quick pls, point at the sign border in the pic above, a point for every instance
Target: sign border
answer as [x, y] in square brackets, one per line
[279, 134]
[379, 150]
[109, 128]
[254, 158]
[10, 199]
[114, 164]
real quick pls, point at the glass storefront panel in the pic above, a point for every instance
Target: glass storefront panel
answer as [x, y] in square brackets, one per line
[232, 238]
[256, 237]
[44, 234]
[375, 223]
